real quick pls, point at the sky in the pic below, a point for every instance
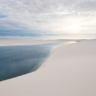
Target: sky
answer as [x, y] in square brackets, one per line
[43, 18]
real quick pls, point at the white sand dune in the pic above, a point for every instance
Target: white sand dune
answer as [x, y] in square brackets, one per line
[30, 42]
[26, 42]
[69, 71]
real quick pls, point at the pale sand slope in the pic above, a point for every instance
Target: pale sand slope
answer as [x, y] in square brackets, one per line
[27, 42]
[69, 71]
[31, 42]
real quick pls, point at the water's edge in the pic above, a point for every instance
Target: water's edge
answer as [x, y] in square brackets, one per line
[38, 64]
[44, 60]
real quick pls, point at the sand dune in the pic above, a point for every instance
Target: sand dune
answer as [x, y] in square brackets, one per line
[25, 42]
[31, 42]
[69, 71]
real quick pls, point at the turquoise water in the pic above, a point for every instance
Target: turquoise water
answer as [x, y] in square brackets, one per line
[19, 60]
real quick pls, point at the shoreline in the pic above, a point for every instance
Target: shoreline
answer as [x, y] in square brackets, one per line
[40, 65]
[69, 71]
[52, 51]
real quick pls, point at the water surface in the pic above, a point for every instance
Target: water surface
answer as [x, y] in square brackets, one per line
[19, 60]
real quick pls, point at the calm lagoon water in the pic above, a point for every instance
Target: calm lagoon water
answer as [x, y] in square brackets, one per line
[19, 60]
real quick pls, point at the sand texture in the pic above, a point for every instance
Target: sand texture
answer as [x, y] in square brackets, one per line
[69, 71]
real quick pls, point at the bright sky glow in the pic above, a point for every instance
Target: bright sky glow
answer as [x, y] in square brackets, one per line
[74, 29]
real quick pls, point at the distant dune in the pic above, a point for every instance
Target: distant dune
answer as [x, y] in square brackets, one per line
[28, 42]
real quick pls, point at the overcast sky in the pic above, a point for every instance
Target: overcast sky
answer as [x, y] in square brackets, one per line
[38, 17]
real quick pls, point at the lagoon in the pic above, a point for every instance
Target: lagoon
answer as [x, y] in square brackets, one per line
[19, 60]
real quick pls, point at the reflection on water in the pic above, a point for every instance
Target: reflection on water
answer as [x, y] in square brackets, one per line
[19, 60]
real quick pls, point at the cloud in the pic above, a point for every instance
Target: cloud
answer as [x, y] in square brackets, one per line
[86, 6]
[47, 16]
